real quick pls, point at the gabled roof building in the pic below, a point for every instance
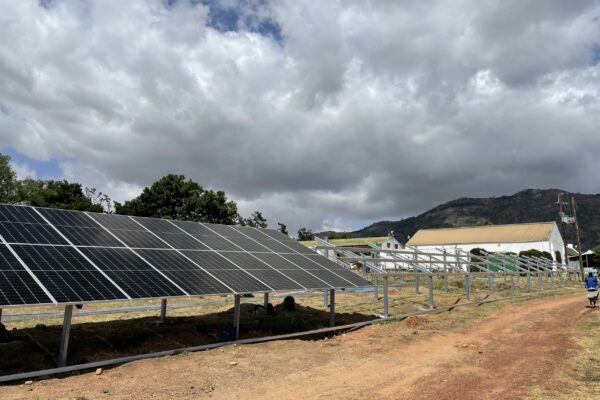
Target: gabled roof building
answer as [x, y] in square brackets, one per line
[542, 236]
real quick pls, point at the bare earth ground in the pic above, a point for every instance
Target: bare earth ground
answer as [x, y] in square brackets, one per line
[446, 356]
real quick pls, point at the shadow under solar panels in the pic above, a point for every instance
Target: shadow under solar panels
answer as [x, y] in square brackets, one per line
[184, 273]
[66, 274]
[136, 277]
[16, 284]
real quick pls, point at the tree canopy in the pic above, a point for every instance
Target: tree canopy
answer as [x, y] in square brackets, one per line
[282, 228]
[8, 180]
[536, 253]
[175, 197]
[55, 194]
[305, 234]
[256, 220]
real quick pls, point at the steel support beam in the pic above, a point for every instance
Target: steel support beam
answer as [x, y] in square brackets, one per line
[376, 290]
[528, 281]
[512, 284]
[236, 315]
[541, 281]
[430, 287]
[325, 298]
[266, 300]
[64, 336]
[385, 297]
[467, 287]
[332, 307]
[163, 310]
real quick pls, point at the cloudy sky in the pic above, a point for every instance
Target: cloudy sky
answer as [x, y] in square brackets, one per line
[325, 114]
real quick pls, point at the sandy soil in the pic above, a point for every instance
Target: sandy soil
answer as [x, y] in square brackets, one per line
[499, 357]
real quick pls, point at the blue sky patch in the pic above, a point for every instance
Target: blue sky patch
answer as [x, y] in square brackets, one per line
[226, 18]
[596, 54]
[49, 169]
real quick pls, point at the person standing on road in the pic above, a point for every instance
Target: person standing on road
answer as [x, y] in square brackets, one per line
[591, 282]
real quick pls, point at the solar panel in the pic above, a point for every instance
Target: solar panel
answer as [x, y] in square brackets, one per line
[16, 284]
[18, 232]
[135, 276]
[63, 256]
[19, 214]
[184, 273]
[66, 274]
[79, 228]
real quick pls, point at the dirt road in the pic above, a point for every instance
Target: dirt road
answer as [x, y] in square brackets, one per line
[498, 357]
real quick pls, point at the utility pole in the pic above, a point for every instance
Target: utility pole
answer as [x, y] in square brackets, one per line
[564, 228]
[579, 249]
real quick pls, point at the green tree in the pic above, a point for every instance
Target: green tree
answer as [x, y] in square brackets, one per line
[282, 228]
[174, 197]
[305, 234]
[55, 194]
[256, 220]
[8, 180]
[536, 253]
[338, 235]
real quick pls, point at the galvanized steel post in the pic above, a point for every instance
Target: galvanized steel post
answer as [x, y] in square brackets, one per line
[445, 273]
[512, 284]
[528, 280]
[417, 277]
[385, 297]
[430, 287]
[266, 300]
[236, 316]
[64, 336]
[163, 310]
[467, 287]
[540, 280]
[332, 307]
[325, 299]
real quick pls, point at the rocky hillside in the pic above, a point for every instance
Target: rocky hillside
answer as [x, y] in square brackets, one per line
[531, 205]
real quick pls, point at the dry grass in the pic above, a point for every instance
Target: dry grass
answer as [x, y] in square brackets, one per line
[579, 376]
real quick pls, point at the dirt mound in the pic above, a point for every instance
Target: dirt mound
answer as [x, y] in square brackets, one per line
[416, 321]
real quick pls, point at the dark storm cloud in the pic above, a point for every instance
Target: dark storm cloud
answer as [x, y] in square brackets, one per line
[339, 111]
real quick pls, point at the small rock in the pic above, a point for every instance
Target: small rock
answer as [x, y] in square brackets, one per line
[233, 363]
[99, 371]
[480, 352]
[464, 346]
[29, 382]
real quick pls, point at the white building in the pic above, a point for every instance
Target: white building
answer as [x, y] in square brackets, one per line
[391, 243]
[543, 236]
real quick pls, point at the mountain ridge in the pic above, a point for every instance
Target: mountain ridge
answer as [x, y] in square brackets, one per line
[529, 205]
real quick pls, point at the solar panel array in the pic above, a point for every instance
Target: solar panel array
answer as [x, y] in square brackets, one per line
[50, 256]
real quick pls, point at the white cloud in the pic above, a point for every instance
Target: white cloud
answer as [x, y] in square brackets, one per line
[364, 110]
[23, 170]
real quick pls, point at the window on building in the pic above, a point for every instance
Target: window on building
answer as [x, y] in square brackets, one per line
[396, 246]
[388, 245]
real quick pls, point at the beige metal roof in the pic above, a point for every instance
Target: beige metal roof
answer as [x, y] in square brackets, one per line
[512, 233]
